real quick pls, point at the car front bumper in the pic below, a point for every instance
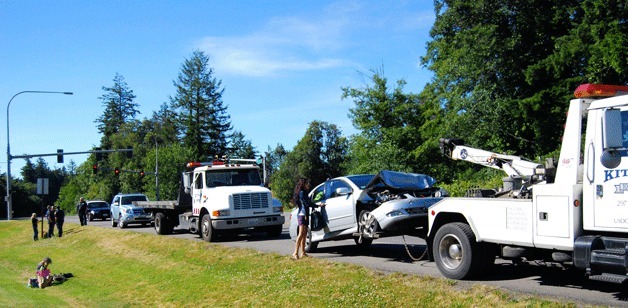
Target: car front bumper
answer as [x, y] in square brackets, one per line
[408, 215]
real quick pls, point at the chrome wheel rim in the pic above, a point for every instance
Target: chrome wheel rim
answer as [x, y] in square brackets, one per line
[450, 251]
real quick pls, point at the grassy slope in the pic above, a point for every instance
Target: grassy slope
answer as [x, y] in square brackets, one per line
[114, 268]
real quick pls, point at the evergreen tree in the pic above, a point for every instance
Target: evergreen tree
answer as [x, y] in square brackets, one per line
[201, 115]
[163, 127]
[240, 147]
[119, 109]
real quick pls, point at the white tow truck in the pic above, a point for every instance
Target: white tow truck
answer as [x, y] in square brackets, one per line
[575, 213]
[219, 197]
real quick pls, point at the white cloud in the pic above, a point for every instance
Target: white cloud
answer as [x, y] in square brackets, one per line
[308, 41]
[262, 55]
[284, 43]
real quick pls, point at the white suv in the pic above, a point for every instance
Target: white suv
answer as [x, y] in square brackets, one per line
[123, 212]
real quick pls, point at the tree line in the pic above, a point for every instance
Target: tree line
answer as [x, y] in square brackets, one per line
[503, 73]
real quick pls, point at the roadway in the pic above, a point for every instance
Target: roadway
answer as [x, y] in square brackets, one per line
[389, 255]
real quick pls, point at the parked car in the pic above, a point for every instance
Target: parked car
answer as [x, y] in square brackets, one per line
[366, 207]
[124, 213]
[97, 209]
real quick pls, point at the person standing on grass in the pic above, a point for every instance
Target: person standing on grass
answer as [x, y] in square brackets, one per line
[81, 208]
[302, 200]
[59, 220]
[35, 222]
[50, 215]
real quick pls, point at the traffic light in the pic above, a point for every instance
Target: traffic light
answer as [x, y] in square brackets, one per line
[129, 153]
[116, 171]
[60, 156]
[142, 173]
[95, 168]
[98, 154]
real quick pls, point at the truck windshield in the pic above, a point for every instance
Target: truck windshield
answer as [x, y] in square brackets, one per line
[232, 178]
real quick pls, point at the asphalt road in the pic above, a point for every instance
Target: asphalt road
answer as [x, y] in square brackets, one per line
[389, 255]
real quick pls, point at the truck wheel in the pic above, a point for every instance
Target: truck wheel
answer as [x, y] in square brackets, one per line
[274, 231]
[456, 253]
[207, 231]
[162, 225]
[121, 224]
[309, 245]
[113, 221]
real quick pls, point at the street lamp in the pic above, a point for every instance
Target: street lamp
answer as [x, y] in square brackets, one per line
[8, 197]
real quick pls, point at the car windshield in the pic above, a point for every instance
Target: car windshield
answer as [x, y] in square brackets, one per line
[233, 178]
[93, 205]
[130, 199]
[361, 180]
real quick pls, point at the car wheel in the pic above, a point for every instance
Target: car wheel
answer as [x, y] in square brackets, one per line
[309, 245]
[91, 217]
[121, 224]
[367, 225]
[113, 221]
[456, 253]
[207, 231]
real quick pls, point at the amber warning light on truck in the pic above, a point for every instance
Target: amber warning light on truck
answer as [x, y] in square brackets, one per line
[599, 90]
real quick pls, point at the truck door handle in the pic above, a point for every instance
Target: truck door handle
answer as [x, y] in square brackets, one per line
[543, 216]
[591, 163]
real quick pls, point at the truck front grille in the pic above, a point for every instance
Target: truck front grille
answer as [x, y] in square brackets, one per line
[250, 201]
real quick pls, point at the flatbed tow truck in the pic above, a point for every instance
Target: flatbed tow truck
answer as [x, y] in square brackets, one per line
[218, 197]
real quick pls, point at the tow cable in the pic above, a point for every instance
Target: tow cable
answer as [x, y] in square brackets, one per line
[410, 254]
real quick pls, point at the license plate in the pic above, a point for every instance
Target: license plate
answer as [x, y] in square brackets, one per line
[253, 221]
[105, 215]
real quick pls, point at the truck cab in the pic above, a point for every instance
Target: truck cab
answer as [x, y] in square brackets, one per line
[228, 197]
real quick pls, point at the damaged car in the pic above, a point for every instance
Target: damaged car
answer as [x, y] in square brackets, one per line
[366, 207]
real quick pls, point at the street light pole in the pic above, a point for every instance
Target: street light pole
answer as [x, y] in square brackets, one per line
[8, 196]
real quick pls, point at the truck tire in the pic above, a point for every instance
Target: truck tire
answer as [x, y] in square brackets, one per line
[207, 231]
[274, 231]
[162, 224]
[309, 245]
[456, 253]
[113, 221]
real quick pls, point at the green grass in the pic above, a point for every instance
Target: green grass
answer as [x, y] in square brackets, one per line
[115, 268]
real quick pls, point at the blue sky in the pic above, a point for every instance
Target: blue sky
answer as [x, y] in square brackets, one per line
[282, 63]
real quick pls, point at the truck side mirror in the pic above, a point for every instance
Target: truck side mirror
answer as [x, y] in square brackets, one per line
[185, 177]
[613, 139]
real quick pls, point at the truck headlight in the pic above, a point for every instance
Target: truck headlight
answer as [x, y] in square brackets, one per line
[221, 213]
[278, 209]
